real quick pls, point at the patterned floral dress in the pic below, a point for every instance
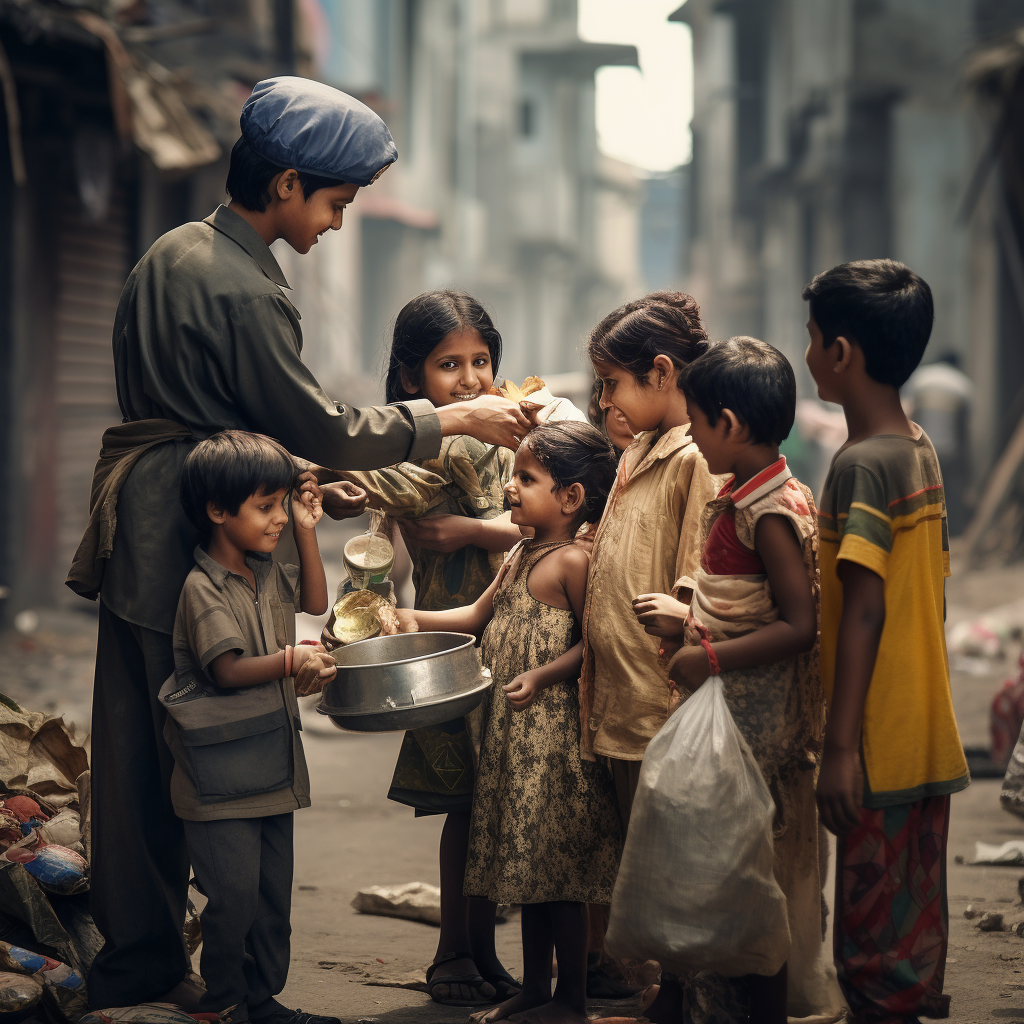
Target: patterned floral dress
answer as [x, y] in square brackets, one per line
[545, 825]
[434, 773]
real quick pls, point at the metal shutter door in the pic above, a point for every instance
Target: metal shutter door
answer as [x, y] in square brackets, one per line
[92, 265]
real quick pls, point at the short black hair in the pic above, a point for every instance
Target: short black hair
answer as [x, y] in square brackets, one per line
[750, 377]
[249, 178]
[576, 453]
[227, 469]
[881, 305]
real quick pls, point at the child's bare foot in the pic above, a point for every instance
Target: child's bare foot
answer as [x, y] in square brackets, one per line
[525, 1000]
[667, 1007]
[553, 1012]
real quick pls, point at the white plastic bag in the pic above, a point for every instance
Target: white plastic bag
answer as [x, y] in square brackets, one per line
[696, 889]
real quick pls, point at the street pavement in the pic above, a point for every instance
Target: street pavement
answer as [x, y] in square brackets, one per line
[353, 837]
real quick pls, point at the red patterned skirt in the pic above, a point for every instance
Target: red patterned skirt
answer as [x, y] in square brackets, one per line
[891, 919]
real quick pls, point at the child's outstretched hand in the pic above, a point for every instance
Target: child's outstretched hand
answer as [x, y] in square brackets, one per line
[660, 615]
[312, 669]
[307, 501]
[406, 620]
[523, 690]
[689, 668]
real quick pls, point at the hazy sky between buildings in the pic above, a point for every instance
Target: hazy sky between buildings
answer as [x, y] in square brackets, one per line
[643, 117]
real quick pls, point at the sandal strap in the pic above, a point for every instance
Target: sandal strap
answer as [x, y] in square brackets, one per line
[446, 958]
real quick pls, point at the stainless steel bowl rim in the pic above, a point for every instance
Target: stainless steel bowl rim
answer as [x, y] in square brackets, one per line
[326, 709]
[470, 641]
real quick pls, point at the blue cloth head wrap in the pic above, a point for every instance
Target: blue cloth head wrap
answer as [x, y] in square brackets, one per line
[299, 123]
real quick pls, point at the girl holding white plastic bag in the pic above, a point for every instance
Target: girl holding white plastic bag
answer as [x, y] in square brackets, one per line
[753, 620]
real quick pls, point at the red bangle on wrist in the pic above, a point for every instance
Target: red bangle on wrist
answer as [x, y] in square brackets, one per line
[712, 657]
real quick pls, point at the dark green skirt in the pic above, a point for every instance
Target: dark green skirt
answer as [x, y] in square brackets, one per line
[435, 769]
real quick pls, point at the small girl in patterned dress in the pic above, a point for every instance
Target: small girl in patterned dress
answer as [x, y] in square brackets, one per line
[545, 826]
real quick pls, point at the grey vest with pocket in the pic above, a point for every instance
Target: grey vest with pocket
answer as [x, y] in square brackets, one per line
[237, 741]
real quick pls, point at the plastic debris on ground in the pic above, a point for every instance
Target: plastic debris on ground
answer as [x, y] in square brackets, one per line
[144, 1013]
[414, 901]
[989, 635]
[47, 936]
[1011, 852]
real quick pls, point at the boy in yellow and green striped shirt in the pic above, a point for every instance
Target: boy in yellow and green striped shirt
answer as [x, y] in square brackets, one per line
[892, 753]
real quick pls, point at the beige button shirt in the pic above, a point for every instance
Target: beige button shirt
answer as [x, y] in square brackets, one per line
[648, 539]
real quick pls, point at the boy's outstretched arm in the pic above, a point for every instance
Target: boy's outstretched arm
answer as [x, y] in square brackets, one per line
[860, 631]
[307, 507]
[232, 669]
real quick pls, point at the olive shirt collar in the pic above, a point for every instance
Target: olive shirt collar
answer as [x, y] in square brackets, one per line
[260, 564]
[240, 231]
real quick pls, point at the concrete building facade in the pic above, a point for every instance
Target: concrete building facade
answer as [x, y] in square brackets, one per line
[835, 130]
[123, 115]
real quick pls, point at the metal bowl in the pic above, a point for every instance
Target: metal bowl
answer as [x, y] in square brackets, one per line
[404, 682]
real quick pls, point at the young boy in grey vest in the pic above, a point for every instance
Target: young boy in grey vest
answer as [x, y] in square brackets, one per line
[233, 718]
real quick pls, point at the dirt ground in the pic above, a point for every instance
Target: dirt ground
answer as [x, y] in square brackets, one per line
[354, 837]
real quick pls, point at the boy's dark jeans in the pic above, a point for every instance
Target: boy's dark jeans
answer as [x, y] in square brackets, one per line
[139, 863]
[244, 866]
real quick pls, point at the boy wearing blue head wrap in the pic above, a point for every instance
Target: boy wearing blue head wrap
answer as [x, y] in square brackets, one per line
[205, 339]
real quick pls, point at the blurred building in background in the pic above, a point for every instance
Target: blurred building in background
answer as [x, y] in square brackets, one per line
[499, 189]
[835, 130]
[118, 116]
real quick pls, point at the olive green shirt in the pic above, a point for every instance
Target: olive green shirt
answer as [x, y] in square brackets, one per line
[218, 611]
[205, 336]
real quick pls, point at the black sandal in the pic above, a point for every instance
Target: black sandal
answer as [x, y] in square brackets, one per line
[473, 980]
[505, 986]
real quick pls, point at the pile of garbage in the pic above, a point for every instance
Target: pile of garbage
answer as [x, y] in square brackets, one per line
[47, 937]
[979, 647]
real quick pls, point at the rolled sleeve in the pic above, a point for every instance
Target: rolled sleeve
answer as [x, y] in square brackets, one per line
[426, 443]
[404, 491]
[212, 632]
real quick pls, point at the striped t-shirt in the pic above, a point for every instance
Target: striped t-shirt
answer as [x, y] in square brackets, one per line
[883, 508]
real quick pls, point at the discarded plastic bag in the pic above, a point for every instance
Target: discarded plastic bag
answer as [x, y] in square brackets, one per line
[63, 988]
[1010, 852]
[696, 888]
[414, 901]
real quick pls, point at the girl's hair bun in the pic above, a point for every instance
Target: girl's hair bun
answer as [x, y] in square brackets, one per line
[661, 323]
